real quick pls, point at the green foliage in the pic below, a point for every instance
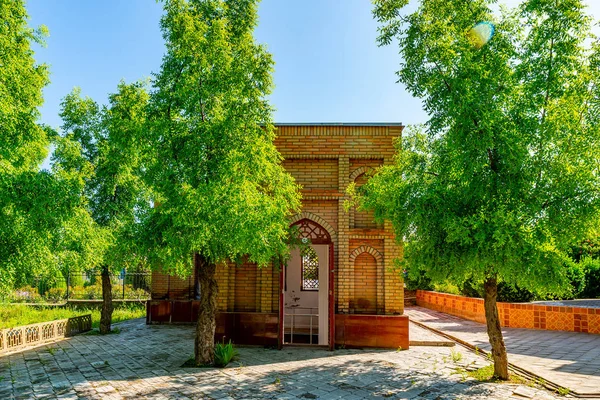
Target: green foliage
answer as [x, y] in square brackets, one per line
[56, 294]
[514, 294]
[456, 356]
[26, 294]
[104, 144]
[504, 175]
[217, 177]
[591, 269]
[34, 204]
[12, 315]
[224, 354]
[417, 280]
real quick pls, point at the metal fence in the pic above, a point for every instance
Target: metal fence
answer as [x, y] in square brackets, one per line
[83, 285]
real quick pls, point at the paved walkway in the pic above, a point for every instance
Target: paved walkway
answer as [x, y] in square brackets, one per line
[143, 362]
[568, 359]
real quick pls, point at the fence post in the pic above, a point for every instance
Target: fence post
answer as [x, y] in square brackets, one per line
[68, 282]
[124, 275]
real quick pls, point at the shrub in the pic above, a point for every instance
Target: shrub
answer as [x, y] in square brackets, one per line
[56, 294]
[591, 269]
[446, 287]
[224, 354]
[513, 294]
[417, 280]
[27, 294]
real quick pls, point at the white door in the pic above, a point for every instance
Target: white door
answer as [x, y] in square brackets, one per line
[299, 300]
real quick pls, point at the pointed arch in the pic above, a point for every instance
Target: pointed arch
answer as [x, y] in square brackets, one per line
[366, 249]
[305, 215]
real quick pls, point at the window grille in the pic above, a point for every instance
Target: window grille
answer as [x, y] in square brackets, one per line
[310, 269]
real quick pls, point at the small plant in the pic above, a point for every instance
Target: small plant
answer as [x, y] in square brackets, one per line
[52, 350]
[476, 350]
[277, 381]
[224, 353]
[540, 381]
[456, 356]
[563, 391]
[399, 349]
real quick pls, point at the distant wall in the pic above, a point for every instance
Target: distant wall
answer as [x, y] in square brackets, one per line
[515, 315]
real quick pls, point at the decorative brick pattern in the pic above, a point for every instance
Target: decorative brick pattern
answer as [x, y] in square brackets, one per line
[366, 249]
[515, 315]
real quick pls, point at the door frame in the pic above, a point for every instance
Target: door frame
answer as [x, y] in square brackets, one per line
[317, 235]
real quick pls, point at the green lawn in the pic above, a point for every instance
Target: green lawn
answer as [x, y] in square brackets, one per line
[12, 315]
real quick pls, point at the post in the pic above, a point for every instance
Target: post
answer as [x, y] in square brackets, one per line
[124, 275]
[68, 282]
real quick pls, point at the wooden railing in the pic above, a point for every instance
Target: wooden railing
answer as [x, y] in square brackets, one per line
[29, 335]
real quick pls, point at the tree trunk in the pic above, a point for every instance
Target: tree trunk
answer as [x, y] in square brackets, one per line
[494, 330]
[204, 352]
[107, 306]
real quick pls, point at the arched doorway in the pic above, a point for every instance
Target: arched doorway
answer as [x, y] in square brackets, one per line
[307, 282]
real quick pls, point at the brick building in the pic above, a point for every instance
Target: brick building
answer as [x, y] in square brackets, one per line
[340, 289]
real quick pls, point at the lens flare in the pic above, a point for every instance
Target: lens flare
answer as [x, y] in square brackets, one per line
[481, 33]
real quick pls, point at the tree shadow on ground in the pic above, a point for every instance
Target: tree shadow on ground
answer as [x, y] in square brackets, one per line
[559, 351]
[146, 361]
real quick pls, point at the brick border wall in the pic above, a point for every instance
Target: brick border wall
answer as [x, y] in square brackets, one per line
[515, 315]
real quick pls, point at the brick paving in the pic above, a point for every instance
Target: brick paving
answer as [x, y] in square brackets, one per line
[144, 362]
[568, 359]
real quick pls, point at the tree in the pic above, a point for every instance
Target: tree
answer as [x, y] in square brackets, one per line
[221, 192]
[107, 143]
[504, 176]
[33, 203]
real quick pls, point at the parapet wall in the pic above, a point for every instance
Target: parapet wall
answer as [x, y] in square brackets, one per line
[515, 315]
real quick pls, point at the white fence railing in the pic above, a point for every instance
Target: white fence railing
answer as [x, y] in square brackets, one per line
[295, 321]
[28, 335]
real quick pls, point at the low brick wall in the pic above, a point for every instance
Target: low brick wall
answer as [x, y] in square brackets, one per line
[515, 315]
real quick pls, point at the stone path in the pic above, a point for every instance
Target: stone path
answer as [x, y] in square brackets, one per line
[143, 362]
[568, 359]
[424, 337]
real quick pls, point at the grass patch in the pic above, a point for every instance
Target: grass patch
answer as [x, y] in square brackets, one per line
[13, 315]
[486, 374]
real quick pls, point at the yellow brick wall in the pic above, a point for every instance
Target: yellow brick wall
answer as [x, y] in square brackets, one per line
[324, 160]
[365, 284]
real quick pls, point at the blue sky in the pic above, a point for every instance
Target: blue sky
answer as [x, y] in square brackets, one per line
[328, 66]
